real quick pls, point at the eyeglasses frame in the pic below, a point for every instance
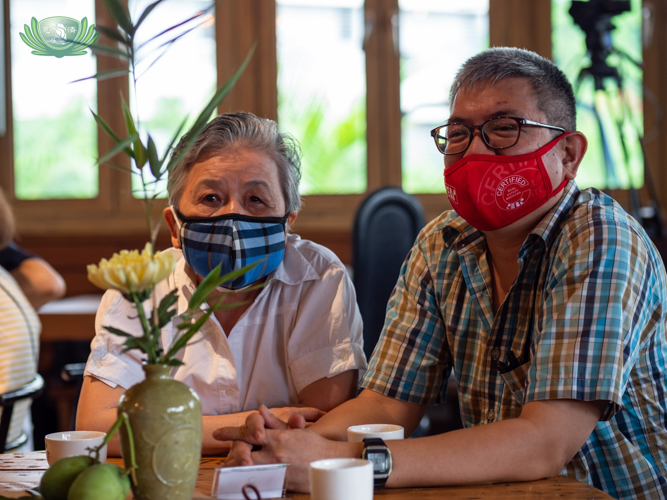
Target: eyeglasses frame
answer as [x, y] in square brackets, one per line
[520, 122]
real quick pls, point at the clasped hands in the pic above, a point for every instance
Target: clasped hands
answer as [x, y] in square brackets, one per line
[278, 441]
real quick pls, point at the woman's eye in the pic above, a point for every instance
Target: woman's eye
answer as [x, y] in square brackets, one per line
[211, 198]
[255, 199]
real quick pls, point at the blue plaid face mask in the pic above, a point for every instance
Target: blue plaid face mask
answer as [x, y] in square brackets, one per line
[234, 240]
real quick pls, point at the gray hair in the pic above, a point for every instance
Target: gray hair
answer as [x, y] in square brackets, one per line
[553, 91]
[229, 131]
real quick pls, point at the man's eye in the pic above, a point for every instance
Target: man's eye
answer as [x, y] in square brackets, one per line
[255, 199]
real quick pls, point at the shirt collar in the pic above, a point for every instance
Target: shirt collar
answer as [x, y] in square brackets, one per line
[468, 239]
[293, 270]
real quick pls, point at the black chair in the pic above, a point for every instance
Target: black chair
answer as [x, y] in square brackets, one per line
[7, 402]
[385, 228]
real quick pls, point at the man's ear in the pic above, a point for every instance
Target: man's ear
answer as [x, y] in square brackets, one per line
[573, 151]
[173, 227]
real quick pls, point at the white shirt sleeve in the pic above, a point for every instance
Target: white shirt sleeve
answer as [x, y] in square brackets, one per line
[327, 336]
[106, 361]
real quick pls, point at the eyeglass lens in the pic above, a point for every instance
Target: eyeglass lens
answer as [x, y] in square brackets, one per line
[498, 133]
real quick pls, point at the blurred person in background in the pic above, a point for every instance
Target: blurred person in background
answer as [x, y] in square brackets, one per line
[19, 336]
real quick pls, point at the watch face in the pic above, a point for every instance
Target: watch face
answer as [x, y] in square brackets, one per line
[379, 460]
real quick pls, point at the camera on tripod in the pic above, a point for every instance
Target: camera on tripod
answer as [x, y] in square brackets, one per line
[594, 18]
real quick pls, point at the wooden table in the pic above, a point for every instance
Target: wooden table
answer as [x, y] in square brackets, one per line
[22, 471]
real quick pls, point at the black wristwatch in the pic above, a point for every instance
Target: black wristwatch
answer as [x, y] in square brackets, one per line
[376, 452]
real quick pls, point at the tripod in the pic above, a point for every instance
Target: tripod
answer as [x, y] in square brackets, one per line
[605, 77]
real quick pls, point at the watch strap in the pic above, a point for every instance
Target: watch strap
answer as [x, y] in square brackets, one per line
[374, 446]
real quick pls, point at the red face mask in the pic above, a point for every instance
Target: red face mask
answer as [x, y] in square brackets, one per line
[493, 191]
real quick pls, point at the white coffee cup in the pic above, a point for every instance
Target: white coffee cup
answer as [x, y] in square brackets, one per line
[73, 443]
[386, 432]
[341, 479]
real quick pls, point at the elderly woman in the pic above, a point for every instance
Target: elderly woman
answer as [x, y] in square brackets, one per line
[295, 345]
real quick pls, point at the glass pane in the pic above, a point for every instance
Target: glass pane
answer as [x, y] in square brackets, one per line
[435, 39]
[322, 91]
[599, 110]
[176, 81]
[55, 136]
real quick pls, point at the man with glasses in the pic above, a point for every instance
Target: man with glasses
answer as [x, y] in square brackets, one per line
[546, 303]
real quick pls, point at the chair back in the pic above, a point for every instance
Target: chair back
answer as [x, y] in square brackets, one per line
[385, 228]
[7, 401]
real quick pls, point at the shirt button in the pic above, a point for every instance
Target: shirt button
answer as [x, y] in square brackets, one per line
[490, 416]
[97, 363]
[495, 354]
[229, 392]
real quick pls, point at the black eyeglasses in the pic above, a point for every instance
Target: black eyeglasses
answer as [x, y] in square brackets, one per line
[497, 133]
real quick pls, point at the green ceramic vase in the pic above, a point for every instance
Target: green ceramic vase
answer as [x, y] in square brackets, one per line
[165, 417]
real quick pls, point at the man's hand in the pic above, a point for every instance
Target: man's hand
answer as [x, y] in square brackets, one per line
[281, 442]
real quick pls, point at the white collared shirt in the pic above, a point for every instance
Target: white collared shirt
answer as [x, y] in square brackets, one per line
[303, 326]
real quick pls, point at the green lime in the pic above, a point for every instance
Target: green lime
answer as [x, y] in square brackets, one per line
[100, 482]
[57, 480]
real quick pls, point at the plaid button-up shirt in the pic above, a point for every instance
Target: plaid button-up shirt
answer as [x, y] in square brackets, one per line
[585, 319]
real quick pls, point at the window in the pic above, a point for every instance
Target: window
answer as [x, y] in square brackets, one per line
[435, 39]
[55, 139]
[598, 111]
[358, 82]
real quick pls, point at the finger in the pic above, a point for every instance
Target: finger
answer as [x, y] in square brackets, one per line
[239, 454]
[310, 414]
[252, 432]
[296, 421]
[271, 421]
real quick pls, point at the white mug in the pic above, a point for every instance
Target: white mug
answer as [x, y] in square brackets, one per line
[73, 443]
[386, 432]
[341, 479]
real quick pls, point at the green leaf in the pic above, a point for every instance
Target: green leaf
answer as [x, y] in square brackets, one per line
[163, 32]
[100, 121]
[214, 280]
[32, 37]
[117, 149]
[205, 115]
[29, 42]
[173, 362]
[145, 13]
[153, 158]
[116, 331]
[103, 49]
[114, 34]
[139, 150]
[120, 15]
[35, 29]
[103, 75]
[83, 29]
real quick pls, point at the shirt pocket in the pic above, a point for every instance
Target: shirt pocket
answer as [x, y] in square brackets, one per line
[515, 381]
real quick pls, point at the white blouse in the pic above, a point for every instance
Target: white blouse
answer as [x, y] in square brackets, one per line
[304, 325]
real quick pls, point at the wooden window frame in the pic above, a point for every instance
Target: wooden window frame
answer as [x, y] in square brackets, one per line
[239, 25]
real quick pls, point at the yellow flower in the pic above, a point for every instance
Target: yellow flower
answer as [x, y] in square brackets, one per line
[130, 271]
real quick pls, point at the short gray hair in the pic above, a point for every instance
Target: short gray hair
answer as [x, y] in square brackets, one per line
[229, 131]
[553, 91]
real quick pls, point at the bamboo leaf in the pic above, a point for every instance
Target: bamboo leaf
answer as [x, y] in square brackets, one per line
[145, 13]
[174, 362]
[103, 49]
[103, 75]
[205, 115]
[175, 138]
[105, 126]
[163, 32]
[116, 331]
[114, 34]
[120, 15]
[117, 149]
[121, 168]
[138, 149]
[214, 280]
[153, 158]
